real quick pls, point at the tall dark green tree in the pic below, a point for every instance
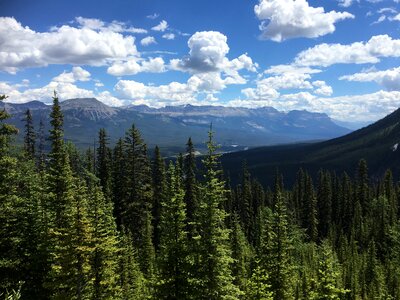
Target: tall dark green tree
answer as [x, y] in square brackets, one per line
[214, 273]
[10, 210]
[174, 277]
[275, 251]
[104, 259]
[30, 136]
[190, 185]
[103, 162]
[159, 195]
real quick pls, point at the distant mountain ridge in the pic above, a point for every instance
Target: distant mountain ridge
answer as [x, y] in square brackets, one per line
[378, 143]
[170, 126]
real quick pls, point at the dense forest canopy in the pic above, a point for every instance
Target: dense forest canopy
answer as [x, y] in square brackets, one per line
[118, 223]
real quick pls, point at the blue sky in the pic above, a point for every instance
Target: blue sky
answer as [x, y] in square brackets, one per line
[340, 57]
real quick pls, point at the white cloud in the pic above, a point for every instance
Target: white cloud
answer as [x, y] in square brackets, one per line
[322, 88]
[133, 66]
[161, 27]
[153, 16]
[389, 10]
[157, 96]
[22, 47]
[148, 40]
[77, 74]
[175, 93]
[281, 69]
[380, 20]
[98, 83]
[355, 53]
[287, 81]
[359, 108]
[65, 90]
[208, 50]
[389, 79]
[285, 19]
[114, 26]
[347, 3]
[395, 18]
[169, 36]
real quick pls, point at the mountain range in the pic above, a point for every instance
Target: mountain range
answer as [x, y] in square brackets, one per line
[169, 127]
[378, 144]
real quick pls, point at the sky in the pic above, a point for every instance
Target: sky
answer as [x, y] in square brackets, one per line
[339, 57]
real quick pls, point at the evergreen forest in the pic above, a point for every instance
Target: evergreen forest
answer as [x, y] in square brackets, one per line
[121, 222]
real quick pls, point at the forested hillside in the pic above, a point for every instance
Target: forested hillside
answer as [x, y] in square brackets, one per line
[169, 127]
[118, 223]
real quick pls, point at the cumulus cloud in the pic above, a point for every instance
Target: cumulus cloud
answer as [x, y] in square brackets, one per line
[285, 19]
[157, 96]
[133, 66]
[175, 93]
[208, 50]
[77, 74]
[288, 81]
[161, 27]
[389, 79]
[321, 88]
[356, 53]
[22, 47]
[148, 40]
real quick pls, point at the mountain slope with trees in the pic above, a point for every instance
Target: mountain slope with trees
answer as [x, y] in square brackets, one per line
[118, 223]
[377, 143]
[169, 127]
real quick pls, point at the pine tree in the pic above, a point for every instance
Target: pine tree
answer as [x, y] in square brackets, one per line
[30, 136]
[276, 247]
[246, 204]
[324, 200]
[173, 259]
[103, 165]
[214, 276]
[132, 281]
[119, 182]
[70, 230]
[104, 259]
[241, 254]
[159, 196]
[328, 284]
[258, 287]
[190, 186]
[41, 155]
[10, 208]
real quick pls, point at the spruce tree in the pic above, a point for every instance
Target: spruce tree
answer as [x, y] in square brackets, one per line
[214, 274]
[190, 186]
[159, 196]
[241, 254]
[30, 136]
[328, 284]
[11, 209]
[103, 163]
[131, 280]
[258, 287]
[104, 258]
[275, 251]
[173, 261]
